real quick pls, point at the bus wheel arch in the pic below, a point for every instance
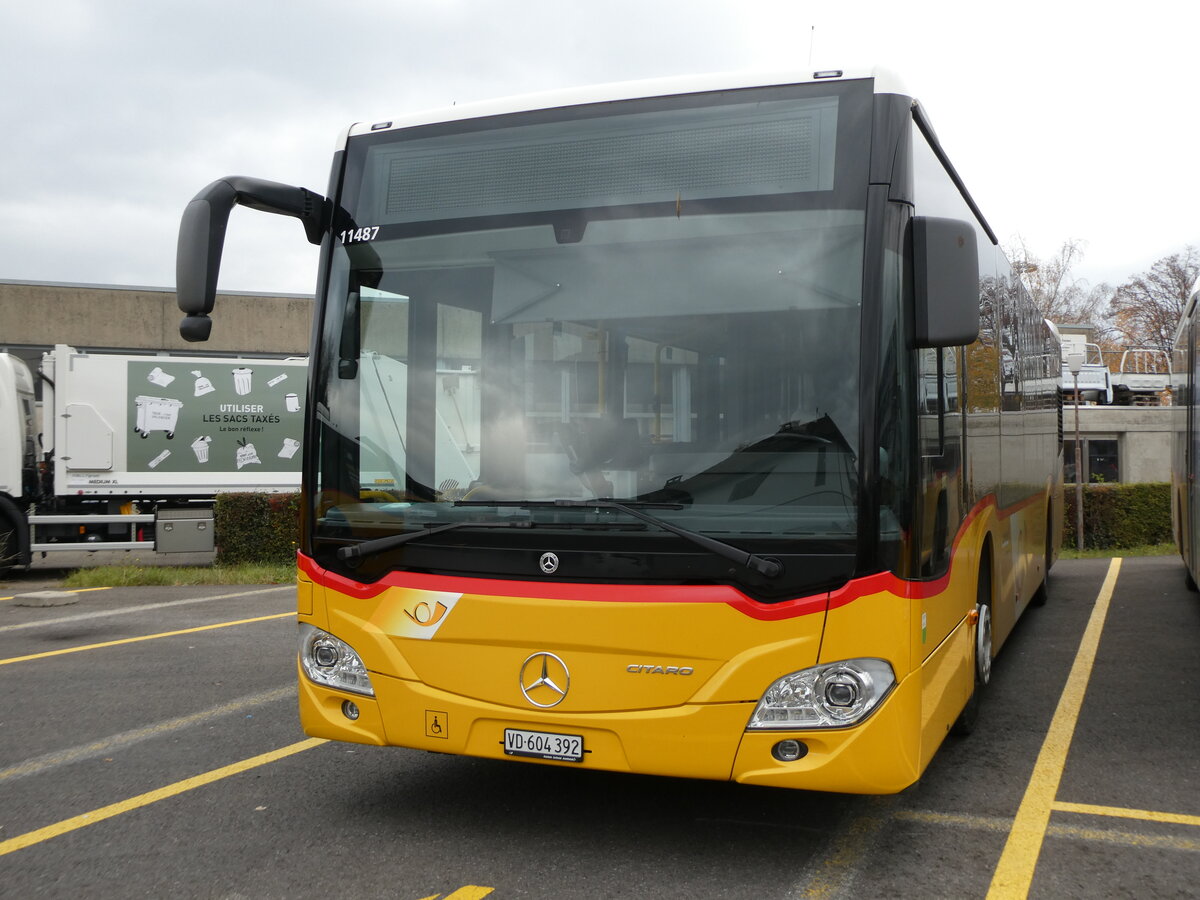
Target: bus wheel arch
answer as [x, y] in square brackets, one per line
[983, 627]
[982, 648]
[1042, 594]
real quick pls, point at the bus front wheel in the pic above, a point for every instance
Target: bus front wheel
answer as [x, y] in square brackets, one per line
[1042, 594]
[965, 723]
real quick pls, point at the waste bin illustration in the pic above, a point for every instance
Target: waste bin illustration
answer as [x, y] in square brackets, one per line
[200, 448]
[243, 381]
[156, 414]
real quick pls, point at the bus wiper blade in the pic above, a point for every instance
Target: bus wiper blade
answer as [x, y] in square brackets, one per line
[768, 568]
[543, 504]
[358, 552]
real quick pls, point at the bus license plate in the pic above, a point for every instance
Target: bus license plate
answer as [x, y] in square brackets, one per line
[543, 745]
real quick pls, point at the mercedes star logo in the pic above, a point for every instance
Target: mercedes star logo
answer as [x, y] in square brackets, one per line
[548, 563]
[545, 680]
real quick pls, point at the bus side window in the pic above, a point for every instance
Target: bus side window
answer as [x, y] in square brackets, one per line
[940, 435]
[931, 373]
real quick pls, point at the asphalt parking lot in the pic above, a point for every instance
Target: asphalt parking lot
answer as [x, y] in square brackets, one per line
[149, 747]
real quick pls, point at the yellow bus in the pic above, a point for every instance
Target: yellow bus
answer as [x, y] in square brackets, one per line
[695, 427]
[1185, 499]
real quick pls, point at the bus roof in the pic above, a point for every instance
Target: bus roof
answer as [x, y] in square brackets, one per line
[885, 82]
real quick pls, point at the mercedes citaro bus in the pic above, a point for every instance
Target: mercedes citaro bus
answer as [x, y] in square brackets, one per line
[695, 427]
[1185, 497]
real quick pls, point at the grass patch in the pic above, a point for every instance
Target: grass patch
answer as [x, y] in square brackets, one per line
[141, 576]
[1106, 553]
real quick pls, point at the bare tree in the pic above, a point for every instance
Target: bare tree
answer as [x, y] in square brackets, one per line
[1146, 309]
[1060, 296]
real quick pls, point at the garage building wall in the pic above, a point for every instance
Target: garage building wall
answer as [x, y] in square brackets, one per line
[35, 316]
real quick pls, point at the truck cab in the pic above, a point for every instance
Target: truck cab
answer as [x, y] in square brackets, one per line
[18, 457]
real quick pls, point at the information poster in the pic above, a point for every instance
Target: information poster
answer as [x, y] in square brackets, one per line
[240, 416]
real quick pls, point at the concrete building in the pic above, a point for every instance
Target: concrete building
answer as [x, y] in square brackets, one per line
[1129, 443]
[35, 316]
[1120, 443]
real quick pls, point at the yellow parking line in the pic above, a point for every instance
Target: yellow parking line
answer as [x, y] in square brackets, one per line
[1145, 815]
[833, 874]
[1132, 839]
[147, 637]
[1072, 832]
[954, 820]
[1014, 872]
[30, 838]
[109, 745]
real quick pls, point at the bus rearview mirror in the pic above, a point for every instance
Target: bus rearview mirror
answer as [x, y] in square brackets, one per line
[945, 282]
[202, 238]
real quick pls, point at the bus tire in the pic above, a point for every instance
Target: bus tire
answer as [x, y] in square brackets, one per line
[965, 723]
[1042, 594]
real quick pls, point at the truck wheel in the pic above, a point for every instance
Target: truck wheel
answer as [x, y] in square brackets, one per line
[9, 546]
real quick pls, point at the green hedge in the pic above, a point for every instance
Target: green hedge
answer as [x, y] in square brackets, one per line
[1120, 515]
[256, 528]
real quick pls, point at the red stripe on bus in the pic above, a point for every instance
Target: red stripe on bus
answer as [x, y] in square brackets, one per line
[878, 583]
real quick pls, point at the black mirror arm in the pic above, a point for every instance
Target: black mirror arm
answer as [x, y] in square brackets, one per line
[202, 238]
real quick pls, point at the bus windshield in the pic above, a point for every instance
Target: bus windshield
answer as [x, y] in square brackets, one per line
[658, 307]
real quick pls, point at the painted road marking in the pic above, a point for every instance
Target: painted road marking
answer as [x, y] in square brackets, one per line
[126, 739]
[146, 637]
[1074, 832]
[467, 892]
[102, 613]
[1014, 872]
[20, 842]
[1145, 815]
[832, 872]
[66, 591]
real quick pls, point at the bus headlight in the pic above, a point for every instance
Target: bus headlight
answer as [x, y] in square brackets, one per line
[829, 696]
[332, 662]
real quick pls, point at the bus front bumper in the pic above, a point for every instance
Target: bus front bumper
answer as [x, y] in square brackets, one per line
[710, 741]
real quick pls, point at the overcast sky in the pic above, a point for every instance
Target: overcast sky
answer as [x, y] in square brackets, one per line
[1068, 121]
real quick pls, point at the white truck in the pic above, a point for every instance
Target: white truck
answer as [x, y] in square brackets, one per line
[1143, 376]
[133, 449]
[1094, 380]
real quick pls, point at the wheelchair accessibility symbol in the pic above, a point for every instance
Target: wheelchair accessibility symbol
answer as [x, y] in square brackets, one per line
[437, 724]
